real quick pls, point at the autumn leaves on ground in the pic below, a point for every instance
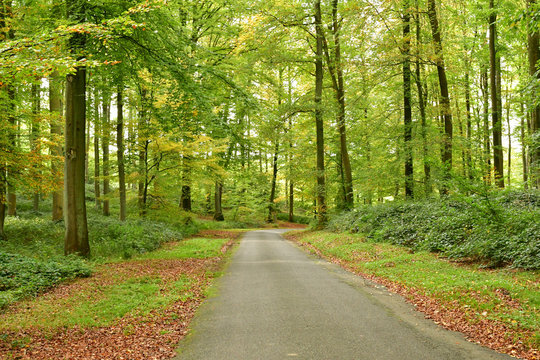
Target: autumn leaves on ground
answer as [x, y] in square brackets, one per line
[136, 309]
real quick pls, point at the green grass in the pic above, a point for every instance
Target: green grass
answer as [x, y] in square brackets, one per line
[32, 258]
[102, 303]
[198, 248]
[468, 285]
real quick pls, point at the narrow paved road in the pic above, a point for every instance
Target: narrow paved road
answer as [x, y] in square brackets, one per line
[276, 302]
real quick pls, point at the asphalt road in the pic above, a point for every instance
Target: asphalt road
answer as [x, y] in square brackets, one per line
[276, 302]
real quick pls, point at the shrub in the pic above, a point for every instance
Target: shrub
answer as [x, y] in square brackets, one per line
[501, 229]
[22, 276]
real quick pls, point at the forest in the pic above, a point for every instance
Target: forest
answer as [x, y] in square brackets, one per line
[128, 125]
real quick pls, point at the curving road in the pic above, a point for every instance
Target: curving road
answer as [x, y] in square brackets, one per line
[276, 302]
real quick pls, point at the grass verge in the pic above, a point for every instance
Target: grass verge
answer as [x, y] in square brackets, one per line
[498, 308]
[140, 306]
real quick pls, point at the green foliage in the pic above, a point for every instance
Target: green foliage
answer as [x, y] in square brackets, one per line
[299, 219]
[31, 259]
[501, 229]
[21, 276]
[110, 238]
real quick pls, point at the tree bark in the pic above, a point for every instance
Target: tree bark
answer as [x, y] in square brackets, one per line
[272, 212]
[487, 143]
[55, 106]
[97, 132]
[76, 238]
[444, 96]
[321, 184]
[185, 197]
[120, 151]
[105, 137]
[34, 136]
[407, 119]
[12, 138]
[533, 40]
[3, 206]
[218, 210]
[494, 64]
[422, 100]
[143, 146]
[509, 170]
[335, 69]
[524, 154]
[469, 121]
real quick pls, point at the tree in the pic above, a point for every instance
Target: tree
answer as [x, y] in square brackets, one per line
[321, 182]
[76, 238]
[533, 39]
[55, 107]
[120, 150]
[444, 96]
[335, 69]
[105, 139]
[495, 86]
[407, 109]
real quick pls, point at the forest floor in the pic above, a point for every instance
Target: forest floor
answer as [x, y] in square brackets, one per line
[136, 309]
[498, 308]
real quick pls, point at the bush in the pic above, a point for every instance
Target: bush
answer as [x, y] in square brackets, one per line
[110, 238]
[502, 229]
[298, 219]
[22, 276]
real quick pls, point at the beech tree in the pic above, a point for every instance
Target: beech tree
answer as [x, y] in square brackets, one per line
[76, 239]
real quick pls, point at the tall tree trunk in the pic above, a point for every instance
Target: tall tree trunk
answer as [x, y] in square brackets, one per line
[445, 98]
[97, 132]
[55, 106]
[218, 210]
[422, 100]
[340, 95]
[8, 173]
[494, 64]
[3, 206]
[272, 211]
[86, 152]
[469, 121]
[487, 143]
[461, 136]
[321, 184]
[76, 238]
[120, 151]
[509, 137]
[185, 197]
[533, 40]
[289, 155]
[105, 137]
[143, 146]
[12, 138]
[35, 135]
[407, 119]
[524, 154]
[5, 15]
[335, 69]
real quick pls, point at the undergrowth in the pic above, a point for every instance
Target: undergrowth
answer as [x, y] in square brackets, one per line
[32, 257]
[500, 229]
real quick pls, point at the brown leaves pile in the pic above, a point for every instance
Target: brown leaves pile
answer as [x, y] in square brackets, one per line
[452, 316]
[147, 337]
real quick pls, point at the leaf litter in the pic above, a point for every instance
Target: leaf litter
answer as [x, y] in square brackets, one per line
[151, 336]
